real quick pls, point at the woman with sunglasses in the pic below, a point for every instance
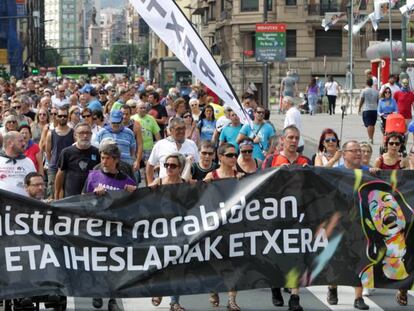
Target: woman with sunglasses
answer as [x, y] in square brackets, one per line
[191, 130]
[41, 119]
[227, 155]
[391, 159]
[174, 165]
[246, 164]
[329, 153]
[74, 116]
[386, 105]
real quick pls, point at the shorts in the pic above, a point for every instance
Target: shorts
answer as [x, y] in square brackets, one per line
[369, 117]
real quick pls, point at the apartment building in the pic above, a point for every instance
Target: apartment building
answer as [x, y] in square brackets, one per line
[113, 27]
[228, 29]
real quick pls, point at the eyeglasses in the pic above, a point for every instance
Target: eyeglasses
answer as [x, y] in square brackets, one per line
[85, 133]
[173, 166]
[354, 150]
[231, 155]
[207, 153]
[331, 140]
[260, 111]
[247, 151]
[86, 116]
[181, 128]
[62, 116]
[61, 91]
[37, 185]
[394, 143]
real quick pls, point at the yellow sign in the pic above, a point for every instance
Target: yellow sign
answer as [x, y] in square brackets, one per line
[3, 56]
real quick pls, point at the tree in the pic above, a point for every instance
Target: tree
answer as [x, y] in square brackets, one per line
[131, 53]
[52, 57]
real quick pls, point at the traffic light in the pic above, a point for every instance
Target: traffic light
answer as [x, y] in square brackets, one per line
[35, 71]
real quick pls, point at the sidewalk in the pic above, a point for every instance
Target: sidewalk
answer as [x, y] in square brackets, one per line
[313, 126]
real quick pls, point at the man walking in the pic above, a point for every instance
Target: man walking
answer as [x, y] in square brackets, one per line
[369, 102]
[75, 162]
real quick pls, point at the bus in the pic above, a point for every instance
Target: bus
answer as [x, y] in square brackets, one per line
[90, 70]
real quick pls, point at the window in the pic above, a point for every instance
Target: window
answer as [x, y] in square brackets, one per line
[290, 43]
[328, 43]
[211, 12]
[249, 5]
[269, 5]
[384, 34]
[290, 2]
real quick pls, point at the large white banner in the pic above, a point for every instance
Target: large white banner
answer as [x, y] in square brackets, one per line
[173, 28]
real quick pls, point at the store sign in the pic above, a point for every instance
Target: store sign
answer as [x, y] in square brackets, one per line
[270, 42]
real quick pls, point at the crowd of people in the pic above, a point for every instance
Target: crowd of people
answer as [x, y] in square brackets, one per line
[65, 137]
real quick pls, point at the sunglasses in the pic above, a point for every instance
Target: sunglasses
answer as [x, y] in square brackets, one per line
[231, 155]
[42, 114]
[170, 165]
[11, 122]
[86, 116]
[17, 107]
[62, 116]
[260, 111]
[207, 153]
[331, 140]
[53, 114]
[77, 113]
[387, 92]
[394, 143]
[247, 151]
[187, 116]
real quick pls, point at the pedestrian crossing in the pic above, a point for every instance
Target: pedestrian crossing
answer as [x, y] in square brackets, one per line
[312, 299]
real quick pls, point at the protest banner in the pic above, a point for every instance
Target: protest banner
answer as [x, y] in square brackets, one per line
[278, 228]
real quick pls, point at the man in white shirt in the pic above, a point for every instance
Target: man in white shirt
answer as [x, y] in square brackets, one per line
[293, 117]
[391, 84]
[172, 144]
[60, 99]
[14, 165]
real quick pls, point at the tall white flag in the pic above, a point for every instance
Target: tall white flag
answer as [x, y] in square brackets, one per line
[170, 24]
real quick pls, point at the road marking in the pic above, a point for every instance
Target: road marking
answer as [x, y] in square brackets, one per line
[345, 298]
[71, 304]
[141, 303]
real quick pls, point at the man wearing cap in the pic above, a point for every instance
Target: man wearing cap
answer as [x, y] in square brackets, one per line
[405, 98]
[122, 135]
[89, 93]
[59, 99]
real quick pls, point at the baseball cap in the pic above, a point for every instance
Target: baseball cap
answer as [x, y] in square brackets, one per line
[116, 116]
[87, 88]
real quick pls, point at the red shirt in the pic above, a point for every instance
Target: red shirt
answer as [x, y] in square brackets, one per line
[280, 159]
[31, 154]
[404, 102]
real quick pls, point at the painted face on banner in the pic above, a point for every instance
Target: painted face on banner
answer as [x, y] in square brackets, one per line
[386, 214]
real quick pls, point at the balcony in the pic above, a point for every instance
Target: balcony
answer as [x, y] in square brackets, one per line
[325, 6]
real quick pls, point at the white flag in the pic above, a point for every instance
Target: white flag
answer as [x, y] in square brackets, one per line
[170, 24]
[407, 8]
[331, 19]
[359, 22]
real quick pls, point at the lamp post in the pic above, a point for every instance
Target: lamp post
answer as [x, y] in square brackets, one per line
[350, 74]
[265, 90]
[404, 64]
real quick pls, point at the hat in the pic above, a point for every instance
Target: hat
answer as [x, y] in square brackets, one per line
[116, 116]
[87, 88]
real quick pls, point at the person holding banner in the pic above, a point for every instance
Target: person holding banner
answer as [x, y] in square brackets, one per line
[174, 165]
[227, 155]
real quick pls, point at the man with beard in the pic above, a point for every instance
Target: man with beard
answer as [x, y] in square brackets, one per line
[34, 186]
[14, 166]
[172, 144]
[75, 162]
[57, 140]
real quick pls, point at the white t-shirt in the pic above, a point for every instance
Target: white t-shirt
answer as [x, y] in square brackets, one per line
[167, 146]
[58, 103]
[331, 88]
[394, 88]
[12, 175]
[293, 117]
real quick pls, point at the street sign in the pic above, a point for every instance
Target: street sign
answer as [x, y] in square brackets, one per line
[270, 42]
[248, 53]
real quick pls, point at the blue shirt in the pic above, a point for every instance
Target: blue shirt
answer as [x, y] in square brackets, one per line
[386, 107]
[229, 135]
[207, 129]
[125, 140]
[362, 167]
[265, 132]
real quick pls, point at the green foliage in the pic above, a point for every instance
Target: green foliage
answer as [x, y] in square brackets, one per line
[52, 57]
[131, 53]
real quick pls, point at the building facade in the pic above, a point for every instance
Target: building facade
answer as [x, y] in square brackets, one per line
[228, 29]
[113, 27]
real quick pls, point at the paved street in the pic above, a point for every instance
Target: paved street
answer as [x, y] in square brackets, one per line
[353, 128]
[312, 298]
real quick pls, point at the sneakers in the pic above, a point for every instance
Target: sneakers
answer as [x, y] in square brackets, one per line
[367, 291]
[294, 303]
[277, 298]
[332, 297]
[360, 304]
[97, 303]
